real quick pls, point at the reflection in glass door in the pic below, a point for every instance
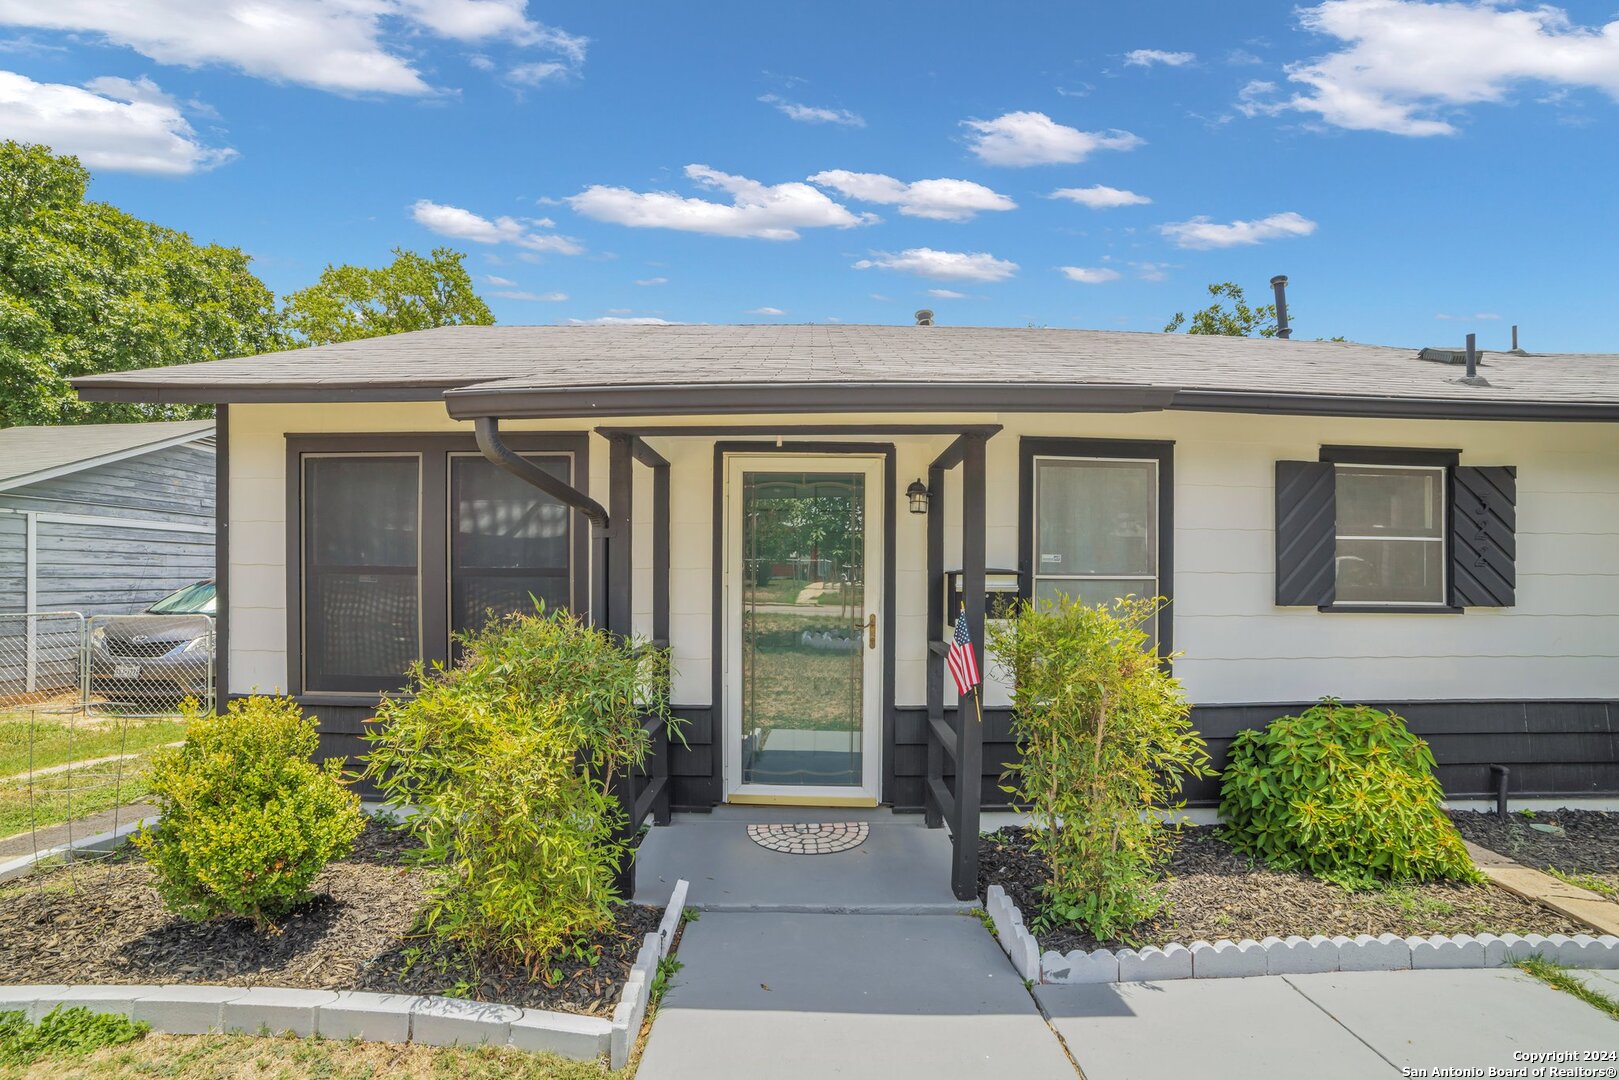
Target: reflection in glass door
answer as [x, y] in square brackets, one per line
[805, 629]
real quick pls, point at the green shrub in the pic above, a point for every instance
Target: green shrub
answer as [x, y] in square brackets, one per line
[248, 819]
[1344, 792]
[508, 759]
[63, 1033]
[1107, 742]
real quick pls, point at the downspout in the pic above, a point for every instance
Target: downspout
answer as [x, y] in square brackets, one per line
[487, 429]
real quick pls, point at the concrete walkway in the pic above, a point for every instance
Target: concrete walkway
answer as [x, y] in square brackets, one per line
[1343, 1024]
[49, 836]
[786, 996]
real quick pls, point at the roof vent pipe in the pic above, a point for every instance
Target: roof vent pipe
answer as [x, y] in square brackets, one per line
[1515, 338]
[1472, 356]
[924, 317]
[1279, 285]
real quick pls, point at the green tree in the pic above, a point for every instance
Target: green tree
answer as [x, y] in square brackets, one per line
[411, 293]
[86, 288]
[1239, 320]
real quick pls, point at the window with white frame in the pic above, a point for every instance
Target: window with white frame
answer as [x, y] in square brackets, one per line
[1391, 534]
[1095, 528]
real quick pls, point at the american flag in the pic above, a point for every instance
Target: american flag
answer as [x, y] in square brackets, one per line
[963, 664]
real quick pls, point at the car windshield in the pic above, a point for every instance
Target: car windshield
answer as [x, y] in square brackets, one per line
[195, 599]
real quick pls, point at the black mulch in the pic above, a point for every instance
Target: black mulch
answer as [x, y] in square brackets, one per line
[1215, 892]
[103, 922]
[1575, 842]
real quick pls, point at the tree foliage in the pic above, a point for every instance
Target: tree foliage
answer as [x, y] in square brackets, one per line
[1107, 742]
[86, 288]
[1239, 320]
[410, 293]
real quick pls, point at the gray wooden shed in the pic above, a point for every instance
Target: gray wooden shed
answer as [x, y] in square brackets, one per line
[101, 519]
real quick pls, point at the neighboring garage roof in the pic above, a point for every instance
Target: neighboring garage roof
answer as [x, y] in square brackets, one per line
[31, 454]
[554, 371]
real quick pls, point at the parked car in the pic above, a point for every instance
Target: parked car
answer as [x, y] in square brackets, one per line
[160, 656]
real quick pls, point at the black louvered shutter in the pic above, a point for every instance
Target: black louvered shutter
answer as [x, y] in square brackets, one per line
[1306, 533]
[1483, 535]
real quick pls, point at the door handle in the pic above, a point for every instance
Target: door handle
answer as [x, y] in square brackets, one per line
[871, 631]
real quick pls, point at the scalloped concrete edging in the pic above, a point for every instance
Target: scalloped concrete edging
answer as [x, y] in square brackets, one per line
[1283, 956]
[349, 1014]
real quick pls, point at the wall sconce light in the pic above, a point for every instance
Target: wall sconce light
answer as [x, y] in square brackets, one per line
[918, 494]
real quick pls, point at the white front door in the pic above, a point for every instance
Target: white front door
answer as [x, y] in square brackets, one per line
[803, 656]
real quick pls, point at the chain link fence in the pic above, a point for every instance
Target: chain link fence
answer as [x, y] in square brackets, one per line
[84, 702]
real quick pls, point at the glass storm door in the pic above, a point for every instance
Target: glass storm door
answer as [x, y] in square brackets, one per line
[803, 669]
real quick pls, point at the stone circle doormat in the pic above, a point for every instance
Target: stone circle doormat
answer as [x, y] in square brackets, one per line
[809, 838]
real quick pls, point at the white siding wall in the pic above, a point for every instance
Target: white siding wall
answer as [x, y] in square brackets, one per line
[1561, 640]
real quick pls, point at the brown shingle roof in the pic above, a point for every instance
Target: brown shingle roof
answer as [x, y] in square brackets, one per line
[549, 365]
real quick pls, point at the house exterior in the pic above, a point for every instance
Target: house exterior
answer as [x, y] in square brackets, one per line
[1325, 518]
[97, 519]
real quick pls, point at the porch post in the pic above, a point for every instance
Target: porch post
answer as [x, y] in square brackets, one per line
[970, 740]
[618, 570]
[932, 811]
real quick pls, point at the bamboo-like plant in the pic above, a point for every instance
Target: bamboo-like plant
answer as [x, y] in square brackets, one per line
[1107, 743]
[509, 758]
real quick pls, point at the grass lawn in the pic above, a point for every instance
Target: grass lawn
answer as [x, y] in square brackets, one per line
[59, 738]
[225, 1057]
[89, 790]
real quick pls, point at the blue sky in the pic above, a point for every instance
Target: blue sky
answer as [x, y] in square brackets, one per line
[1418, 169]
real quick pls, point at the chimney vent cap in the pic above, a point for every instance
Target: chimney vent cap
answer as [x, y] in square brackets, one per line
[924, 317]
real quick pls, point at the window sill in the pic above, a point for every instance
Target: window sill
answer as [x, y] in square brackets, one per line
[1392, 609]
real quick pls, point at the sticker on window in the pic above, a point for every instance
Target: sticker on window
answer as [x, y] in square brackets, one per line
[1046, 560]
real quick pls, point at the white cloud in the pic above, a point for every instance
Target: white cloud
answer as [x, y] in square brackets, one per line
[460, 224]
[947, 294]
[1483, 316]
[538, 72]
[1089, 275]
[1201, 233]
[519, 294]
[813, 114]
[652, 281]
[350, 46]
[1152, 271]
[616, 320]
[1100, 196]
[768, 212]
[1149, 57]
[941, 200]
[111, 123]
[942, 265]
[491, 279]
[766, 311]
[1406, 65]
[1032, 138]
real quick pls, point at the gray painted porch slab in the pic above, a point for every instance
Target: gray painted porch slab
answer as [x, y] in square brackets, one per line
[903, 867]
[802, 995]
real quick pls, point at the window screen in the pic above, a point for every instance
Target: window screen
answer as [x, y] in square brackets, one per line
[509, 541]
[1096, 528]
[362, 587]
[1391, 534]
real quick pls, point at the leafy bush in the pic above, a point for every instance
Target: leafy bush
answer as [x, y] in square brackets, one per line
[1107, 742]
[508, 759]
[63, 1033]
[1344, 792]
[248, 819]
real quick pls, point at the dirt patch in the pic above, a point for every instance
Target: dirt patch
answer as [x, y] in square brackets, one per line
[1215, 893]
[1576, 844]
[103, 922]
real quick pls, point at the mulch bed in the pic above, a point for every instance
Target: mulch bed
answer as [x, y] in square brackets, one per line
[1577, 842]
[1215, 892]
[103, 922]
